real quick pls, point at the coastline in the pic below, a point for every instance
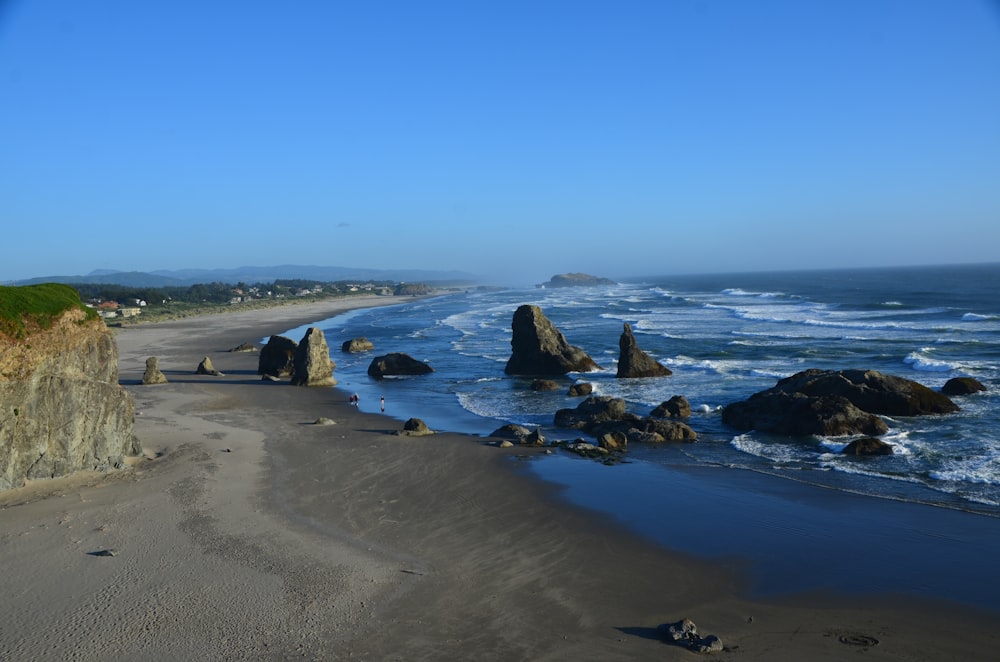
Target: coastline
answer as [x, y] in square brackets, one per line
[248, 532]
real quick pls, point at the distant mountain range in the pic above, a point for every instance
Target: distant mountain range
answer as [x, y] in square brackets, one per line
[250, 275]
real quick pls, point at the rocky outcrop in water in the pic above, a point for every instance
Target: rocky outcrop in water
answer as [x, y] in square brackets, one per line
[277, 357]
[962, 386]
[633, 362]
[61, 407]
[397, 363]
[311, 364]
[676, 407]
[834, 403]
[576, 280]
[539, 348]
[357, 345]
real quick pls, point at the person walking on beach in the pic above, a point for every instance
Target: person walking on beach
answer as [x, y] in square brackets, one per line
[382, 402]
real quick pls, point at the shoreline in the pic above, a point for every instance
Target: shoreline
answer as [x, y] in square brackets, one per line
[247, 531]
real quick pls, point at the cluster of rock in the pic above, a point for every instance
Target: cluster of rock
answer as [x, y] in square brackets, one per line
[606, 418]
[306, 363]
[61, 407]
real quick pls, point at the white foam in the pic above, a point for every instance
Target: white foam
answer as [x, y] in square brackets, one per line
[920, 360]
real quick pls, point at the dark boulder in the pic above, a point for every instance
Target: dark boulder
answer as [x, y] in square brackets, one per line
[669, 430]
[962, 386]
[833, 403]
[357, 345]
[633, 362]
[539, 348]
[545, 385]
[799, 415]
[397, 363]
[676, 407]
[415, 427]
[868, 446]
[870, 391]
[277, 357]
[591, 412]
[311, 364]
[580, 390]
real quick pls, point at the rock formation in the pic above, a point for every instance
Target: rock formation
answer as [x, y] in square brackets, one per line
[545, 385]
[539, 348]
[633, 362]
[277, 358]
[868, 446]
[834, 403]
[676, 407]
[397, 363]
[962, 386]
[311, 364]
[152, 375]
[576, 280]
[600, 415]
[357, 345]
[61, 407]
[206, 368]
[415, 427]
[581, 389]
[244, 347]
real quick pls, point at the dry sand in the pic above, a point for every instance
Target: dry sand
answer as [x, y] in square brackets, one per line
[248, 532]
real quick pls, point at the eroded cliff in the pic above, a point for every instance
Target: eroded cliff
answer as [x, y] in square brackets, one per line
[61, 407]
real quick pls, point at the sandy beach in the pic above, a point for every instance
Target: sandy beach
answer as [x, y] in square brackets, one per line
[248, 532]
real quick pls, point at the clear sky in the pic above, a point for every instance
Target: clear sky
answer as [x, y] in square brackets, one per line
[511, 139]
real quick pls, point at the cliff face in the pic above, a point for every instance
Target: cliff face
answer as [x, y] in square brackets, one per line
[61, 408]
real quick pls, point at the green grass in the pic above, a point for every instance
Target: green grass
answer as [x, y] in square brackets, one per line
[36, 304]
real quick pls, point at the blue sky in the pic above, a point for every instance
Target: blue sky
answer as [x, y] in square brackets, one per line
[510, 139]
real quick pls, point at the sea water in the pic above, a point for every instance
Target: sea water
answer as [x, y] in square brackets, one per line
[724, 337]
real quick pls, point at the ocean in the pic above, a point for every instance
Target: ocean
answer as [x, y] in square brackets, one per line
[725, 337]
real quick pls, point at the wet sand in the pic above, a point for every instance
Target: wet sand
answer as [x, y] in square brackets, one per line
[248, 532]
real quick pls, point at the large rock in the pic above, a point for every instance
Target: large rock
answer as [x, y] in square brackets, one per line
[962, 386]
[870, 391]
[277, 357]
[581, 389]
[397, 363]
[834, 403]
[61, 407]
[357, 345]
[311, 364]
[577, 280]
[539, 348]
[800, 415]
[153, 375]
[633, 362]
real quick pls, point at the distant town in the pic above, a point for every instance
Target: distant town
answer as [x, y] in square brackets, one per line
[119, 302]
